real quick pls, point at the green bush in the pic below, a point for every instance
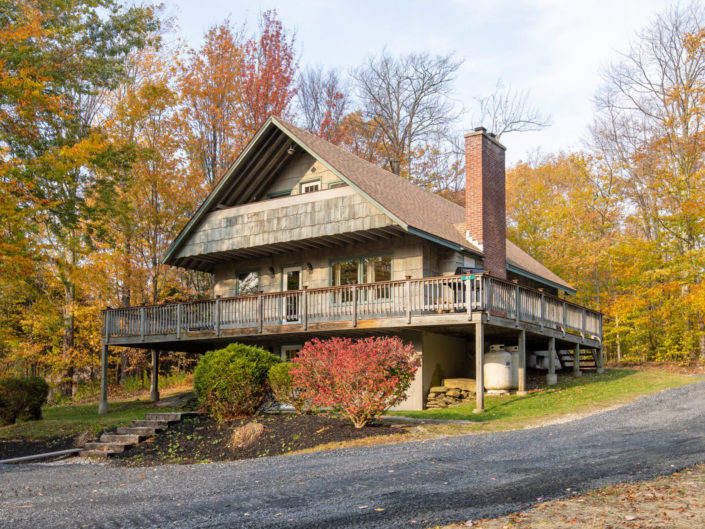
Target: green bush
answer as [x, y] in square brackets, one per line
[232, 382]
[282, 384]
[22, 398]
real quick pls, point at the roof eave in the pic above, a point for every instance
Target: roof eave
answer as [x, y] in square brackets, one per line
[525, 273]
[203, 210]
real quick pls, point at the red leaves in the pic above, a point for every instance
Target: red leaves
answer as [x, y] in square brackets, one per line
[361, 379]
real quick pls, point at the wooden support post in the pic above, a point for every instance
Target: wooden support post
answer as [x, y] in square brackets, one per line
[142, 324]
[217, 317]
[551, 377]
[304, 307]
[565, 317]
[521, 386]
[178, 322]
[154, 390]
[354, 305]
[516, 302]
[600, 360]
[260, 312]
[576, 360]
[103, 406]
[479, 367]
[543, 308]
[468, 297]
[407, 296]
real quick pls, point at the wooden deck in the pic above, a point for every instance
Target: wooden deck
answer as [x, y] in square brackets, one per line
[447, 301]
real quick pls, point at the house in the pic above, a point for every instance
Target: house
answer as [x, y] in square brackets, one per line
[305, 239]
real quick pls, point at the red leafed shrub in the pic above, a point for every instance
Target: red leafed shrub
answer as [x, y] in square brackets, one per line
[361, 379]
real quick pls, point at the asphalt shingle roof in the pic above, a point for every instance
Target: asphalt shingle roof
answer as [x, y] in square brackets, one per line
[409, 203]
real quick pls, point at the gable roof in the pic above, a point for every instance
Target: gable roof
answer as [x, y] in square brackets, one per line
[415, 209]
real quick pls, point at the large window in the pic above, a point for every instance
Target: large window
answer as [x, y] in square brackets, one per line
[362, 270]
[247, 283]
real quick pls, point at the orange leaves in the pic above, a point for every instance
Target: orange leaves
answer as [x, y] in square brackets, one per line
[230, 86]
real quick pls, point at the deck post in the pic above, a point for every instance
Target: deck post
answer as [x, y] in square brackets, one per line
[551, 378]
[354, 305]
[543, 309]
[217, 316]
[468, 297]
[479, 367]
[576, 360]
[516, 303]
[407, 296]
[178, 321]
[103, 406]
[521, 386]
[304, 307]
[260, 313]
[600, 360]
[142, 324]
[565, 317]
[154, 390]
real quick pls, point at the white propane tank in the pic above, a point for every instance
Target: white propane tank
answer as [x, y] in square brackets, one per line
[498, 368]
[513, 350]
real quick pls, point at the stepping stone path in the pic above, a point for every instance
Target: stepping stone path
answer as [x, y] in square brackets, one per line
[126, 437]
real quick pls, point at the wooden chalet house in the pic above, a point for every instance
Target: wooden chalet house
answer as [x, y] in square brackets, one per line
[307, 240]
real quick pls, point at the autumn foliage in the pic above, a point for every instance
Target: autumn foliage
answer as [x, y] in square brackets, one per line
[361, 378]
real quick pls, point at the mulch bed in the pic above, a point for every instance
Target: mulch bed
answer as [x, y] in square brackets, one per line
[201, 439]
[10, 448]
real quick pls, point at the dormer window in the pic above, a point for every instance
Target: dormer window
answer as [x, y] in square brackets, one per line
[311, 186]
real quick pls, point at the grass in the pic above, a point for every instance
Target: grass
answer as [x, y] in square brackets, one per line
[74, 419]
[571, 395]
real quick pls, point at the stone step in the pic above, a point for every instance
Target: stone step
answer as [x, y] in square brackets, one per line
[173, 416]
[96, 453]
[114, 448]
[158, 425]
[122, 438]
[142, 431]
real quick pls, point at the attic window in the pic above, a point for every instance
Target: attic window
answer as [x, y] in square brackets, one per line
[310, 187]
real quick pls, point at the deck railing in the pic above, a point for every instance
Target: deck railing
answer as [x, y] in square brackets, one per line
[407, 299]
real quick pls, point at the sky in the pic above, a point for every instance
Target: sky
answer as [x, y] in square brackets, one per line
[554, 49]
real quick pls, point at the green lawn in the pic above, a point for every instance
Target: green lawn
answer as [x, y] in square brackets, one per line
[73, 419]
[570, 395]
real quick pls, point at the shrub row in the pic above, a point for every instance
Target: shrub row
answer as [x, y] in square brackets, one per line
[361, 379]
[22, 398]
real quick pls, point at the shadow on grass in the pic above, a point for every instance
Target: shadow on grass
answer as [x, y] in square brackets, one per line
[571, 394]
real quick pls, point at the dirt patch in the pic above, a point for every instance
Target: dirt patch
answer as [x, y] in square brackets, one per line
[10, 448]
[673, 502]
[201, 439]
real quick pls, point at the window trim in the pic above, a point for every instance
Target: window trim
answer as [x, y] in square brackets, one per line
[303, 183]
[360, 258]
[284, 346]
[277, 194]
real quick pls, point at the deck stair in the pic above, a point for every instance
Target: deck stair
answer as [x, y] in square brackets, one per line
[588, 362]
[127, 437]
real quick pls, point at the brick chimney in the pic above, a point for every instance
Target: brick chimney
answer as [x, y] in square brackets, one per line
[485, 195]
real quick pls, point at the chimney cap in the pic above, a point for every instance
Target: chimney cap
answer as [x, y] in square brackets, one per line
[491, 136]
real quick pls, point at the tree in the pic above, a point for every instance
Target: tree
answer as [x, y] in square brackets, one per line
[212, 93]
[65, 55]
[507, 110]
[406, 101]
[649, 131]
[322, 100]
[269, 73]
[230, 86]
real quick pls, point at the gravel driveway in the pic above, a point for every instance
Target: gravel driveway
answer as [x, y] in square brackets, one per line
[404, 485]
